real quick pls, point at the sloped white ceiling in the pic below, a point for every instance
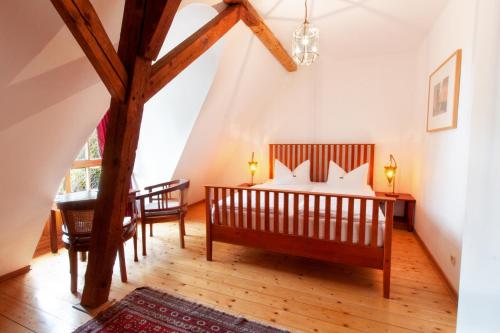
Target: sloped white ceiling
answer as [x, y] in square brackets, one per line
[353, 28]
[169, 115]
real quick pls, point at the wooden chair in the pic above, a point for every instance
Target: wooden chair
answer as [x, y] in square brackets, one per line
[164, 202]
[77, 216]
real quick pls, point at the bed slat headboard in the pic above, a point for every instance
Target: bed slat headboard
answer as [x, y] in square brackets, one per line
[348, 156]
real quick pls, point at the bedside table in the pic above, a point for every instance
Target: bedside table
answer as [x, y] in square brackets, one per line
[407, 220]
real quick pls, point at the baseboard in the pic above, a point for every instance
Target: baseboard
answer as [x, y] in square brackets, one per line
[15, 273]
[451, 289]
[196, 203]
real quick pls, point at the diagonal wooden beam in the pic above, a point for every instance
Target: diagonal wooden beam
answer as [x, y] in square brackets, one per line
[174, 62]
[163, 12]
[82, 20]
[256, 23]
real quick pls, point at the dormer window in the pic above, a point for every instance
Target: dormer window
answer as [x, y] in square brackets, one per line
[85, 171]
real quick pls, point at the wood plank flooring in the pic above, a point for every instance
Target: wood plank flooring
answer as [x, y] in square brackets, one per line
[299, 294]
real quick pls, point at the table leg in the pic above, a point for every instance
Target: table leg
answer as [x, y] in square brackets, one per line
[53, 231]
[410, 211]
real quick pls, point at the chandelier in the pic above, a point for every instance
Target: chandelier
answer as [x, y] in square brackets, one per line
[305, 42]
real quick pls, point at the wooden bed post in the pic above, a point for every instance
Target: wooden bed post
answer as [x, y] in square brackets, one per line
[389, 213]
[208, 215]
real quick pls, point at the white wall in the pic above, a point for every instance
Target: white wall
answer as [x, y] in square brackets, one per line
[442, 158]
[254, 102]
[479, 302]
[50, 101]
[169, 116]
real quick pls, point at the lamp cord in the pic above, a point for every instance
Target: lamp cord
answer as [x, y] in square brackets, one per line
[305, 5]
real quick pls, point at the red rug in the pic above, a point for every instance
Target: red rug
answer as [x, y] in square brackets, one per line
[148, 310]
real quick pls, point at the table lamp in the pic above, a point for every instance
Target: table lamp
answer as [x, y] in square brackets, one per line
[390, 174]
[252, 165]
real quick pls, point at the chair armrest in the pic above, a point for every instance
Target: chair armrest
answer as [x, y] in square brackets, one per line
[182, 184]
[152, 187]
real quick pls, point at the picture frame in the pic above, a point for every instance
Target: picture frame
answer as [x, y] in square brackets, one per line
[443, 94]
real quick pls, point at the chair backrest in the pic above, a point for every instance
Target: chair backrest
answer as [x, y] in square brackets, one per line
[78, 216]
[170, 194]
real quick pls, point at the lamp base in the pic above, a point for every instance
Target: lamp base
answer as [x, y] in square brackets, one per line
[392, 195]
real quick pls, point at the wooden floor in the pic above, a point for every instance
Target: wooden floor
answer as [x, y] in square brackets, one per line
[299, 294]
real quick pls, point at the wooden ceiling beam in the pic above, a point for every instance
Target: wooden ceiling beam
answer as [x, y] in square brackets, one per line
[82, 20]
[174, 62]
[256, 23]
[163, 12]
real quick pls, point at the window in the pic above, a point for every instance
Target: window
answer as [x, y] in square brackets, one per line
[85, 171]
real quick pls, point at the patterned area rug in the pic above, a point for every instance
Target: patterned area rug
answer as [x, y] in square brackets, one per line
[148, 310]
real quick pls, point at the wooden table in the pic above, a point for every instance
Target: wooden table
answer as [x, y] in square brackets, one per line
[73, 198]
[407, 220]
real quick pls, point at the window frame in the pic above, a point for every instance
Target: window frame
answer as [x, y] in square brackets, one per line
[82, 164]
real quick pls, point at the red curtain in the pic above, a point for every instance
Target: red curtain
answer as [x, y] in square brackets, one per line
[101, 138]
[101, 131]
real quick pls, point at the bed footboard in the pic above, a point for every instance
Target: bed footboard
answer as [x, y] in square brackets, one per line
[332, 227]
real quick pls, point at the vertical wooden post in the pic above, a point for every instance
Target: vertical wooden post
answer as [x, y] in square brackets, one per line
[389, 215]
[208, 213]
[53, 231]
[122, 137]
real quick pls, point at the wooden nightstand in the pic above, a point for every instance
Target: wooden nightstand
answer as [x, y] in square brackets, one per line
[407, 220]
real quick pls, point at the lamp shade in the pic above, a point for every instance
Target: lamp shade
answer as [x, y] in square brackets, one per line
[305, 44]
[390, 174]
[252, 165]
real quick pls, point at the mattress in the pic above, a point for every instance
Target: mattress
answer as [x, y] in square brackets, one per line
[313, 187]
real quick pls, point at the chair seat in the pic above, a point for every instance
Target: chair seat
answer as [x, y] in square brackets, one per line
[153, 209]
[154, 205]
[160, 213]
[81, 242]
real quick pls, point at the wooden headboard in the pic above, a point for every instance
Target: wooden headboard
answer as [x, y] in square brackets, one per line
[348, 156]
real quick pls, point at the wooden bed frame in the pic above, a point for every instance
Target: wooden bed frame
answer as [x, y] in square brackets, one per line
[228, 221]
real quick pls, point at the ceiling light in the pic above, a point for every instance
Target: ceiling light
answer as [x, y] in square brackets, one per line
[305, 42]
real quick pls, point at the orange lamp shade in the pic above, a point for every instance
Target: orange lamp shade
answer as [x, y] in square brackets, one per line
[252, 165]
[390, 173]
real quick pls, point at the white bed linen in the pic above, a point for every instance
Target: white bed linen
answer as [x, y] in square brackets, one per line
[365, 191]
[281, 197]
[313, 187]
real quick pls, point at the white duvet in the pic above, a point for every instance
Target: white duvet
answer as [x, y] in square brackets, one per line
[309, 187]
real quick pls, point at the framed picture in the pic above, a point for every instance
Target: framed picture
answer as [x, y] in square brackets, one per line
[444, 88]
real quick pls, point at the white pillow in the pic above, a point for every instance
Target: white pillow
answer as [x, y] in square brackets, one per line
[357, 178]
[283, 175]
[335, 173]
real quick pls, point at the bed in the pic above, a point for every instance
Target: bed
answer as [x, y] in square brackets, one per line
[315, 219]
